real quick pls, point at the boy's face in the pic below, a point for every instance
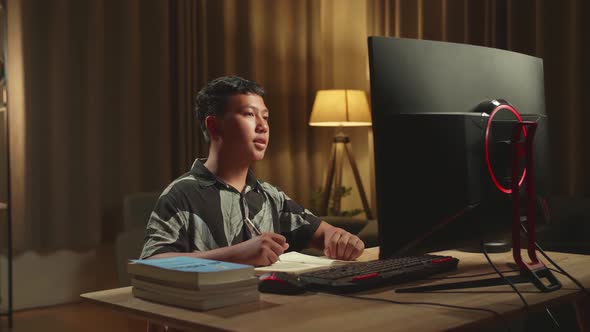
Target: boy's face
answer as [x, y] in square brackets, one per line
[244, 130]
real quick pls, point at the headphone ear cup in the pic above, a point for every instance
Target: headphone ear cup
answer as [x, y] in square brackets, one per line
[487, 106]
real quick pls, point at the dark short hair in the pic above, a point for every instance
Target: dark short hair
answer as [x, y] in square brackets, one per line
[211, 100]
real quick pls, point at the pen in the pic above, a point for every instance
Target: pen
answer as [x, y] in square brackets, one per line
[253, 228]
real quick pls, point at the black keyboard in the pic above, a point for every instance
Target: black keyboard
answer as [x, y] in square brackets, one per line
[366, 275]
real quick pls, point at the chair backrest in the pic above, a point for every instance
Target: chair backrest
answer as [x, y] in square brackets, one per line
[137, 208]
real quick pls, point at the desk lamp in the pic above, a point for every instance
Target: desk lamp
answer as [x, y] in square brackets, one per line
[341, 108]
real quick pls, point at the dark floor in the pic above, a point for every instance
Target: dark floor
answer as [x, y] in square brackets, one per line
[81, 316]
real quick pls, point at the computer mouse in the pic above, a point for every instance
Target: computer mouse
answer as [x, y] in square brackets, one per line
[280, 283]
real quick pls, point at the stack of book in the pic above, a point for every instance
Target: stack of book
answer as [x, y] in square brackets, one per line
[194, 283]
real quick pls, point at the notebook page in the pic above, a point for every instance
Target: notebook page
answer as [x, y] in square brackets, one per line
[295, 262]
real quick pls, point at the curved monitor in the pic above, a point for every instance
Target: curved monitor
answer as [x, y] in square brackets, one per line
[434, 190]
[421, 76]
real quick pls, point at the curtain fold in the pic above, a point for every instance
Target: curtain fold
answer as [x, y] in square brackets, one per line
[186, 70]
[101, 93]
[89, 117]
[269, 42]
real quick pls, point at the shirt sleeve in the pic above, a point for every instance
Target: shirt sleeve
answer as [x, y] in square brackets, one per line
[297, 223]
[166, 229]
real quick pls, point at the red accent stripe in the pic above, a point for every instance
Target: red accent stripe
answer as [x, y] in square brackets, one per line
[366, 276]
[441, 260]
[274, 278]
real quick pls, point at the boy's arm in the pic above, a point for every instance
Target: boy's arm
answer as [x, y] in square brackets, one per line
[259, 251]
[337, 243]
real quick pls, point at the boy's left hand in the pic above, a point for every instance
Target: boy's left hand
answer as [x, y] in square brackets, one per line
[339, 244]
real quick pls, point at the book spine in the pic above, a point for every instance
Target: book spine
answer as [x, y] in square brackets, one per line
[193, 293]
[204, 304]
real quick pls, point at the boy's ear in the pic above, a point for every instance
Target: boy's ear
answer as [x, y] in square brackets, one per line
[213, 125]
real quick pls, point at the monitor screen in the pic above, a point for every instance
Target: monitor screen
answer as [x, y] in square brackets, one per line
[431, 110]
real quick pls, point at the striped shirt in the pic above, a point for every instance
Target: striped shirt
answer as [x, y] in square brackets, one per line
[199, 212]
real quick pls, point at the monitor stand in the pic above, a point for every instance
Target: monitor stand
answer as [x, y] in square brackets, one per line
[534, 277]
[534, 272]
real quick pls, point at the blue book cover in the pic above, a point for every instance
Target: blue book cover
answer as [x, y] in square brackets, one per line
[189, 270]
[191, 264]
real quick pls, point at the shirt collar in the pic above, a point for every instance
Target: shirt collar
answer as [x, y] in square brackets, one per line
[203, 174]
[206, 178]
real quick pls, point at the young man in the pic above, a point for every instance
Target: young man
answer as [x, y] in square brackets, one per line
[219, 210]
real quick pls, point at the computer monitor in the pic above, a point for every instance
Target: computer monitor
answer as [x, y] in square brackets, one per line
[435, 188]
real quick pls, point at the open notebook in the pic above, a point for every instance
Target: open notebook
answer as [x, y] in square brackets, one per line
[294, 262]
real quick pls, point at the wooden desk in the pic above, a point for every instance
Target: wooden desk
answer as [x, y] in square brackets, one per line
[318, 311]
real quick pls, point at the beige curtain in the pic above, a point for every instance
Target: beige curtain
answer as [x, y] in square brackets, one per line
[293, 48]
[187, 74]
[89, 116]
[101, 92]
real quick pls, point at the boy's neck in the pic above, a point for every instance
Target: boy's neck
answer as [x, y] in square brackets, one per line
[228, 170]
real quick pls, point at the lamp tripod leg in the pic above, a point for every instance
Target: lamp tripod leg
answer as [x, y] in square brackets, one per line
[357, 179]
[337, 191]
[328, 184]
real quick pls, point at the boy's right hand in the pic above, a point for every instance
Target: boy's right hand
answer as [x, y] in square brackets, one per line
[262, 250]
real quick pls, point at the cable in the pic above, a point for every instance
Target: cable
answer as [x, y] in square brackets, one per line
[526, 304]
[485, 252]
[561, 270]
[552, 317]
[430, 303]
[437, 227]
[469, 276]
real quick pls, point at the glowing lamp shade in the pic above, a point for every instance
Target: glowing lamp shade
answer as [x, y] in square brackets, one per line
[340, 108]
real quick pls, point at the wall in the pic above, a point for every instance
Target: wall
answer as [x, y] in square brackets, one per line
[45, 279]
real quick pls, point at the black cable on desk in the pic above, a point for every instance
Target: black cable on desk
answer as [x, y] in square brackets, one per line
[485, 252]
[526, 304]
[561, 270]
[469, 275]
